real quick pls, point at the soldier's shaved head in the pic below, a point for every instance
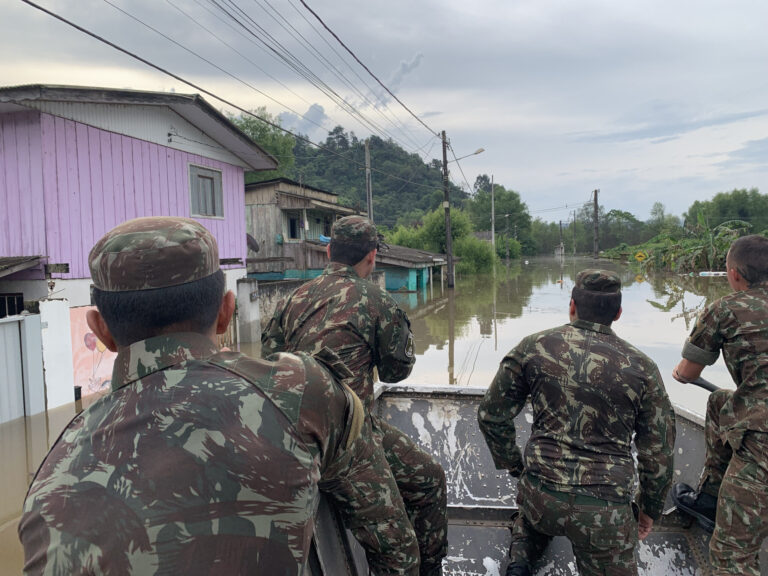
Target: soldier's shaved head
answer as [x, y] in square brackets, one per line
[749, 256]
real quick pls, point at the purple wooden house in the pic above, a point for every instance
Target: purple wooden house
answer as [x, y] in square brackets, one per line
[76, 161]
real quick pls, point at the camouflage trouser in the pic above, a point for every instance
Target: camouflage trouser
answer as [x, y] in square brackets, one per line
[740, 479]
[603, 534]
[421, 481]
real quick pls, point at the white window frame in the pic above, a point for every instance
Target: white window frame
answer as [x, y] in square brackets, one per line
[206, 203]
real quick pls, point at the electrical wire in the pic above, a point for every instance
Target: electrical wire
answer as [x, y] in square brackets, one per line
[332, 33]
[327, 63]
[207, 61]
[293, 62]
[208, 92]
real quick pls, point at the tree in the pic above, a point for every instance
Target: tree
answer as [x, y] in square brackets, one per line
[434, 228]
[739, 204]
[506, 202]
[275, 141]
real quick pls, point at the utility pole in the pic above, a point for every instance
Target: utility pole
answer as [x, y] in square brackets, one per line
[493, 220]
[561, 247]
[506, 237]
[574, 232]
[447, 206]
[595, 247]
[368, 187]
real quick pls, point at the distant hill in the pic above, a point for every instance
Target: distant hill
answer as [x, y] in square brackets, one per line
[404, 186]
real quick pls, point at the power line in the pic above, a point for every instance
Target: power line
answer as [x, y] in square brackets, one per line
[190, 51]
[284, 55]
[209, 93]
[453, 153]
[327, 62]
[332, 33]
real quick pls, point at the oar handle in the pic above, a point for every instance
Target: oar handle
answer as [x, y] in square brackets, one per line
[706, 384]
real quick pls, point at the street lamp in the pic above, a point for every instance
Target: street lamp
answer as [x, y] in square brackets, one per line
[478, 151]
[447, 206]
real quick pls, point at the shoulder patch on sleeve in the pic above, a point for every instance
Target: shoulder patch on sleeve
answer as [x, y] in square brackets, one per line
[409, 345]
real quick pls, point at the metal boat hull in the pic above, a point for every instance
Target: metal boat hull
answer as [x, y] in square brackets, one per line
[481, 499]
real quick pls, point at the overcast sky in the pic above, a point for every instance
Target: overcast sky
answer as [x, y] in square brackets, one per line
[651, 101]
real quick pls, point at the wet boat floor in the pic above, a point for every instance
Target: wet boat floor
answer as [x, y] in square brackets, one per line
[479, 541]
[481, 499]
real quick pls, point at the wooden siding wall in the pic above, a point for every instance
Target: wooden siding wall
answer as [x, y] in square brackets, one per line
[90, 180]
[21, 185]
[264, 223]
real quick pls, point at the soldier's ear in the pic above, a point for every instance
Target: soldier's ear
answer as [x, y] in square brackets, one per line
[618, 314]
[99, 327]
[226, 310]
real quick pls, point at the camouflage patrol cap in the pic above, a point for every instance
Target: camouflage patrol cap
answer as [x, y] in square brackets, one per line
[153, 252]
[595, 280]
[355, 230]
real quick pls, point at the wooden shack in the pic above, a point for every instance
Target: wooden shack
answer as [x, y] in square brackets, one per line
[291, 223]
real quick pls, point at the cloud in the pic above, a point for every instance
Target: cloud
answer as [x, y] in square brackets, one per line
[754, 152]
[396, 80]
[668, 129]
[312, 123]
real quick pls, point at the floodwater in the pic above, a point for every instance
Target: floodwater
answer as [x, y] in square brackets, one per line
[460, 338]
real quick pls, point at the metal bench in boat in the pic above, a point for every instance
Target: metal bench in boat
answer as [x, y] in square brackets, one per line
[481, 499]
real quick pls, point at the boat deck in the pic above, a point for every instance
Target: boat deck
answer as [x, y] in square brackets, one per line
[481, 499]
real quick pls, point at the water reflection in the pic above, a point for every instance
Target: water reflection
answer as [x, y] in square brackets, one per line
[24, 442]
[462, 335]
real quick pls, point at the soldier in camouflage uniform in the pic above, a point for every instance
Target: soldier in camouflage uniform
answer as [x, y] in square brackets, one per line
[342, 311]
[200, 461]
[590, 392]
[732, 496]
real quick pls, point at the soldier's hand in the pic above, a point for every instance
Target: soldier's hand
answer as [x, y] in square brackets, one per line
[644, 525]
[517, 469]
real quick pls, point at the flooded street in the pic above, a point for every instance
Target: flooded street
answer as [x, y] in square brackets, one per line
[460, 336]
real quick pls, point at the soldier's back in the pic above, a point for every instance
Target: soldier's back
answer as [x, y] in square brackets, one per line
[195, 469]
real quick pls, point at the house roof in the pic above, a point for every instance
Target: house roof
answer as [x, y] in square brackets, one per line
[253, 185]
[409, 257]
[191, 107]
[12, 264]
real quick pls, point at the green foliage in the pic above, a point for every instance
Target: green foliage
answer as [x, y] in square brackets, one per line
[278, 143]
[510, 212]
[473, 255]
[434, 228]
[739, 204]
[405, 236]
[515, 248]
[401, 181]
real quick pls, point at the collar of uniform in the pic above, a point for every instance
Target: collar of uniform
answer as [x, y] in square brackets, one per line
[154, 354]
[594, 326]
[339, 269]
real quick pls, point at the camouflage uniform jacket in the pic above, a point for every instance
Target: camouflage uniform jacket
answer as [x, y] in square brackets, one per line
[590, 391]
[737, 324]
[198, 462]
[353, 317]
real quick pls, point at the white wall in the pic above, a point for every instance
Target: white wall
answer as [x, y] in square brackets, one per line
[232, 275]
[77, 292]
[32, 356]
[57, 352]
[11, 375]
